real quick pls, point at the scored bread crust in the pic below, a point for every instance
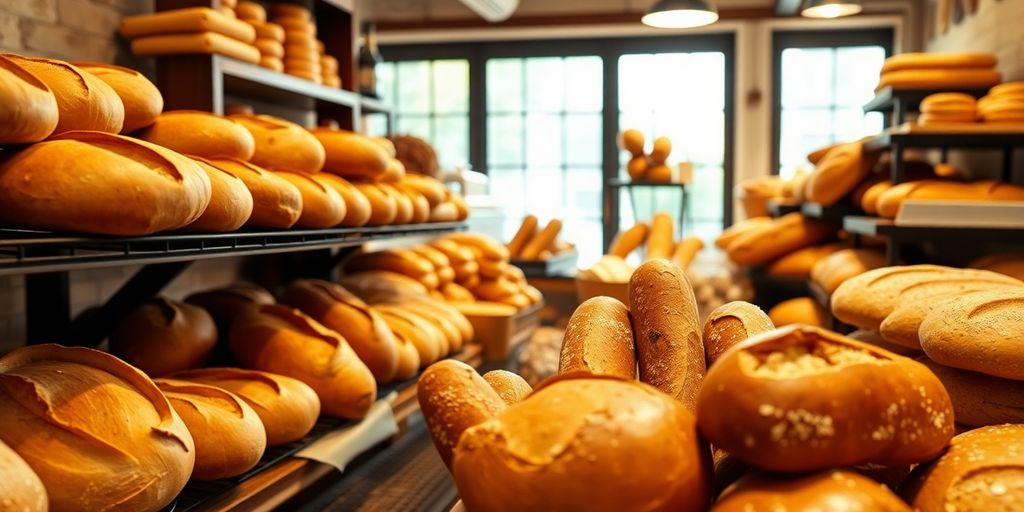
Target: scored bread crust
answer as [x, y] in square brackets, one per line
[162, 336]
[30, 111]
[980, 331]
[282, 145]
[322, 205]
[277, 204]
[200, 134]
[19, 485]
[84, 102]
[351, 155]
[599, 340]
[730, 324]
[231, 202]
[141, 98]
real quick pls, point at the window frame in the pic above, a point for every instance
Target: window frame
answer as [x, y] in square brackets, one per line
[839, 38]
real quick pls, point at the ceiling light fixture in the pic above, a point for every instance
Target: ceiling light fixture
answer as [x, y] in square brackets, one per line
[830, 8]
[680, 14]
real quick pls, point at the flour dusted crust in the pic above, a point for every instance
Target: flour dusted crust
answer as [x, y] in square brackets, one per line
[599, 340]
[825, 490]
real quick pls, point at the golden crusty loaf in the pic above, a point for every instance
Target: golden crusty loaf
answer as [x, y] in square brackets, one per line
[399, 260]
[981, 331]
[440, 310]
[162, 336]
[200, 134]
[210, 43]
[193, 19]
[599, 340]
[287, 407]
[786, 234]
[981, 471]
[19, 485]
[510, 387]
[403, 204]
[231, 202]
[322, 205]
[740, 228]
[800, 262]
[979, 399]
[357, 207]
[940, 79]
[838, 173]
[229, 436]
[442, 321]
[670, 354]
[866, 300]
[224, 304]
[351, 155]
[660, 237]
[142, 100]
[77, 182]
[487, 247]
[802, 398]
[381, 285]
[442, 264]
[902, 325]
[338, 309]
[29, 112]
[277, 204]
[541, 241]
[430, 342]
[955, 61]
[282, 145]
[383, 206]
[628, 240]
[282, 340]
[453, 398]
[937, 190]
[686, 250]
[828, 490]
[798, 310]
[430, 187]
[131, 451]
[832, 270]
[84, 102]
[548, 452]
[730, 324]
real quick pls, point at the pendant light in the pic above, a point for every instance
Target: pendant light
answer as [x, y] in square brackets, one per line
[830, 8]
[680, 14]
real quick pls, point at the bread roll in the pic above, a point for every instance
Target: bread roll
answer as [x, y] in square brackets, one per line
[283, 340]
[130, 449]
[786, 234]
[686, 250]
[204, 43]
[429, 341]
[277, 204]
[527, 230]
[732, 233]
[430, 187]
[441, 263]
[802, 398]
[269, 31]
[454, 292]
[383, 206]
[827, 490]
[338, 309]
[420, 205]
[193, 19]
[298, 24]
[322, 206]
[981, 471]
[84, 102]
[77, 182]
[599, 340]
[231, 202]
[798, 310]
[162, 336]
[224, 304]
[402, 261]
[953, 61]
[488, 247]
[731, 323]
[669, 350]
[287, 407]
[403, 204]
[351, 155]
[660, 240]
[979, 399]
[938, 190]
[457, 253]
[628, 240]
[633, 141]
[800, 262]
[270, 48]
[251, 11]
[29, 112]
[456, 326]
[141, 99]
[979, 331]
[229, 436]
[538, 243]
[357, 206]
[200, 134]
[661, 149]
[832, 270]
[655, 462]
[510, 387]
[20, 486]
[282, 145]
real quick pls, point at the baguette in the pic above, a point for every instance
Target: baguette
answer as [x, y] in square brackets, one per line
[834, 269]
[282, 145]
[800, 262]
[447, 211]
[30, 110]
[510, 387]
[980, 331]
[285, 10]
[322, 206]
[527, 231]
[420, 204]
[660, 240]
[939, 79]
[927, 61]
[979, 399]
[489, 249]
[838, 173]
[193, 19]
[380, 285]
[438, 308]
[628, 240]
[84, 102]
[200, 134]
[277, 204]
[199, 42]
[357, 207]
[161, 336]
[442, 265]
[826, 490]
[542, 240]
[786, 234]
[599, 340]
[730, 324]
[231, 202]
[141, 99]
[686, 250]
[383, 206]
[740, 228]
[351, 155]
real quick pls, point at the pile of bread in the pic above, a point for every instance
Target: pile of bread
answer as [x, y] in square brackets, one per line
[532, 243]
[939, 71]
[462, 268]
[68, 165]
[653, 410]
[658, 239]
[643, 166]
[1003, 104]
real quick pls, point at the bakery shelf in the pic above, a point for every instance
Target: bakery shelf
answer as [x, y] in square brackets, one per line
[909, 100]
[779, 208]
[348, 6]
[910, 138]
[562, 264]
[371, 105]
[874, 226]
[25, 251]
[252, 81]
[835, 212]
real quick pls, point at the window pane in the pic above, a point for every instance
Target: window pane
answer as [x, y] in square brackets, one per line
[543, 139]
[634, 82]
[707, 92]
[451, 86]
[583, 79]
[544, 84]
[803, 131]
[583, 139]
[807, 77]
[505, 143]
[505, 85]
[414, 86]
[544, 196]
[857, 74]
[583, 191]
[386, 82]
[414, 125]
[451, 140]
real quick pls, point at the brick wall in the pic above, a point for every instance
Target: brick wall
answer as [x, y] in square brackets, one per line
[994, 28]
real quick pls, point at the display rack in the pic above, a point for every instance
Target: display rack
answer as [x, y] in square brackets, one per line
[562, 264]
[896, 140]
[897, 103]
[777, 208]
[616, 186]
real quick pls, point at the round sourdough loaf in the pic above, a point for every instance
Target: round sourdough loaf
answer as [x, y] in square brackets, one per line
[322, 206]
[19, 485]
[78, 182]
[29, 112]
[351, 155]
[599, 340]
[230, 202]
[142, 100]
[201, 134]
[162, 336]
[229, 436]
[282, 145]
[84, 102]
[131, 451]
[277, 204]
[828, 490]
[287, 407]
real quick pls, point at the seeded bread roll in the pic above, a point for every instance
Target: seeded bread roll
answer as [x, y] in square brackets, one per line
[599, 340]
[29, 112]
[786, 234]
[84, 102]
[802, 398]
[979, 399]
[981, 331]
[142, 100]
[19, 485]
[670, 354]
[282, 145]
[828, 490]
[730, 324]
[981, 471]
[510, 387]
[162, 336]
[277, 204]
[231, 202]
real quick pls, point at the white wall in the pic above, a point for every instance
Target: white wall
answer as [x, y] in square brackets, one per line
[996, 28]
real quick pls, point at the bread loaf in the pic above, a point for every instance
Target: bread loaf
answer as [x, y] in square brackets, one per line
[224, 304]
[229, 436]
[19, 485]
[802, 398]
[200, 134]
[800, 262]
[84, 102]
[453, 398]
[29, 112]
[268, 31]
[939, 79]
[141, 99]
[731, 323]
[527, 230]
[270, 48]
[402, 261]
[732, 233]
[510, 387]
[786, 234]
[832, 270]
[351, 155]
[936, 190]
[357, 206]
[1010, 264]
[440, 312]
[902, 324]
[670, 354]
[981, 471]
[430, 187]
[383, 206]
[77, 182]
[420, 205]
[322, 206]
[162, 336]
[287, 407]
[338, 309]
[194, 19]
[210, 43]
[838, 173]
[979, 399]
[827, 490]
[980, 331]
[231, 202]
[282, 145]
[442, 265]
[599, 340]
[798, 310]
[454, 292]
[628, 240]
[130, 449]
[660, 239]
[440, 330]
[277, 204]
[686, 251]
[403, 204]
[283, 340]
[952, 61]
[379, 285]
[251, 11]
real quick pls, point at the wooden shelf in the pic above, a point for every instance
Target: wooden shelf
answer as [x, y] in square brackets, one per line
[244, 79]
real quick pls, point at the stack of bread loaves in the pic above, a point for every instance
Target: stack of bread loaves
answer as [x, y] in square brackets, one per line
[302, 51]
[191, 30]
[939, 71]
[948, 108]
[756, 242]
[1003, 104]
[646, 167]
[530, 243]
[270, 42]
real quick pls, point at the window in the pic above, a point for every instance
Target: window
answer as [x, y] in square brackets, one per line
[822, 82]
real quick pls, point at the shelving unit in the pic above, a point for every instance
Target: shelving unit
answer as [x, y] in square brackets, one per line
[897, 103]
[896, 140]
